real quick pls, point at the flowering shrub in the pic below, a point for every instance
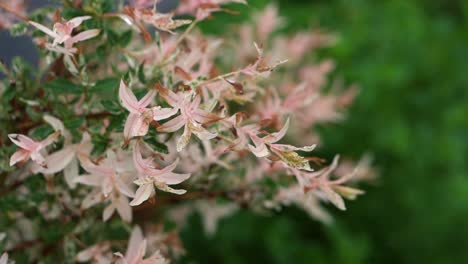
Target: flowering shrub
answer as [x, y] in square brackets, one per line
[132, 121]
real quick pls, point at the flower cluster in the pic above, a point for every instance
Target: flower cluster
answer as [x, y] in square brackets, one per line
[117, 120]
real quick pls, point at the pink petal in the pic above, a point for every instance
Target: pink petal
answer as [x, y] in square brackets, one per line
[23, 141]
[56, 162]
[123, 188]
[202, 116]
[49, 140]
[71, 172]
[172, 125]
[130, 123]
[91, 180]
[18, 156]
[91, 199]
[333, 197]
[204, 134]
[143, 193]
[38, 158]
[128, 99]
[136, 239]
[169, 96]
[108, 212]
[44, 29]
[274, 137]
[142, 165]
[83, 36]
[92, 168]
[147, 99]
[184, 139]
[173, 178]
[124, 209]
[74, 22]
[260, 150]
[163, 113]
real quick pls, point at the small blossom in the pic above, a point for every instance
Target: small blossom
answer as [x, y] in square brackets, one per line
[149, 176]
[332, 190]
[191, 117]
[30, 148]
[62, 34]
[140, 116]
[136, 251]
[109, 177]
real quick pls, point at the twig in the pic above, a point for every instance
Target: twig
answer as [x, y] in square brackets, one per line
[8, 9]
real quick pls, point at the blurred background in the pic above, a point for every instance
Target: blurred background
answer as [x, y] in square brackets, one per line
[410, 59]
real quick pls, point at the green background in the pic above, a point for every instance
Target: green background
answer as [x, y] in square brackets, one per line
[410, 59]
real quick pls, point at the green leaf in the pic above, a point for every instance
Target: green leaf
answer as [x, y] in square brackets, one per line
[73, 124]
[105, 86]
[112, 37]
[156, 145]
[141, 73]
[18, 29]
[62, 86]
[112, 106]
[125, 38]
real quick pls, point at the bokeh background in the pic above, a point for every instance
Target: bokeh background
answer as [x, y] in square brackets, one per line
[410, 59]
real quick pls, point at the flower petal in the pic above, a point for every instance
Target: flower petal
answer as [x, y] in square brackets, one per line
[90, 179]
[163, 113]
[74, 22]
[142, 194]
[184, 139]
[44, 29]
[147, 99]
[274, 137]
[128, 99]
[83, 36]
[172, 125]
[124, 210]
[18, 156]
[23, 141]
[108, 212]
[56, 162]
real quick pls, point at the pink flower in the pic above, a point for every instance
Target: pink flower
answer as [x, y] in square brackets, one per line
[136, 251]
[30, 148]
[62, 34]
[66, 158]
[140, 116]
[332, 190]
[160, 21]
[264, 146]
[149, 176]
[109, 176]
[191, 117]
